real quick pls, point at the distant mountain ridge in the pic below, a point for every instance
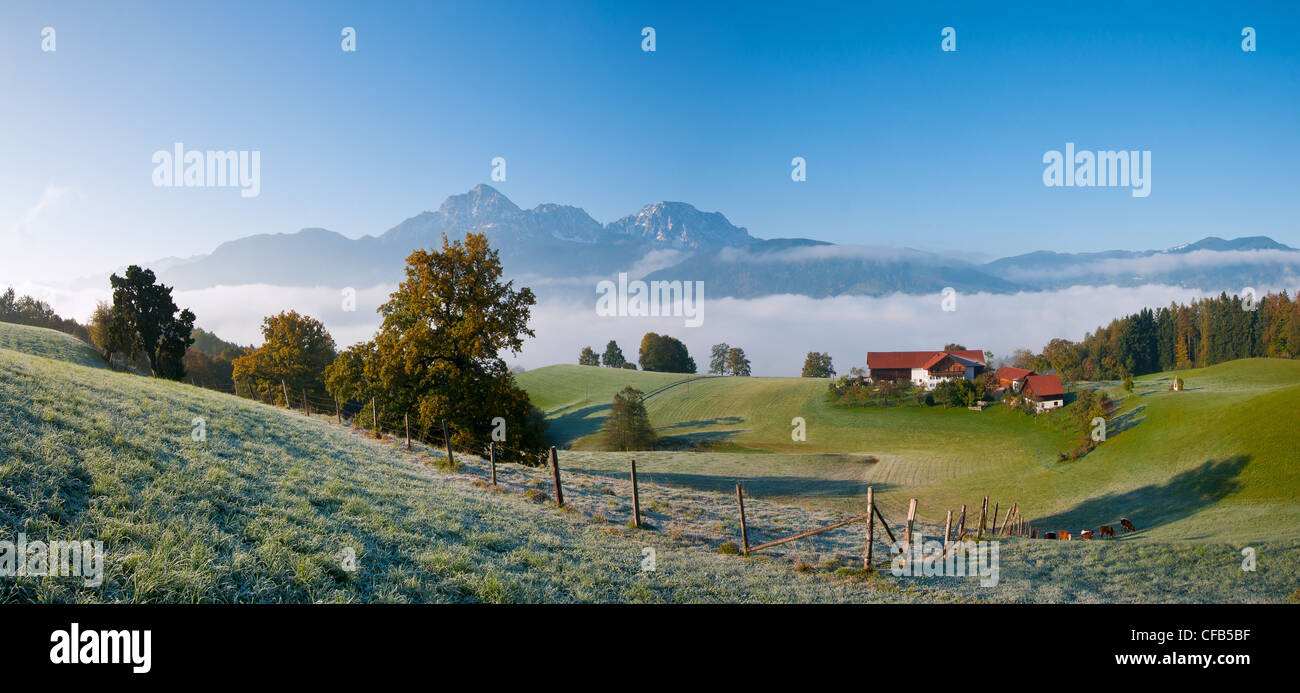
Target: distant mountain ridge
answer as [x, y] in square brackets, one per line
[561, 245]
[1212, 264]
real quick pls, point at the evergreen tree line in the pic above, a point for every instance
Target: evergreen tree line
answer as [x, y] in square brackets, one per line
[1205, 332]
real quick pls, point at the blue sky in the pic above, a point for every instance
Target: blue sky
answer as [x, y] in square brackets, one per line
[905, 144]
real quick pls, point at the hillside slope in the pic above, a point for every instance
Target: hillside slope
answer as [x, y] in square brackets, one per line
[262, 510]
[1216, 461]
[42, 341]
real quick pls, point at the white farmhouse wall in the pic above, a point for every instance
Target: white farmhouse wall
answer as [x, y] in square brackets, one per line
[1047, 405]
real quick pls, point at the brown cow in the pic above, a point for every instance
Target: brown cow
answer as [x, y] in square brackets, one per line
[1086, 534]
[1107, 531]
[1128, 526]
[1063, 535]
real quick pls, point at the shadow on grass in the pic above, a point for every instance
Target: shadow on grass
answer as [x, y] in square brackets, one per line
[719, 421]
[1125, 421]
[755, 486]
[1157, 504]
[694, 441]
[575, 424]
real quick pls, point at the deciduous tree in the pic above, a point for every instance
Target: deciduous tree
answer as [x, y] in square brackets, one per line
[438, 351]
[664, 354]
[736, 363]
[817, 365]
[628, 426]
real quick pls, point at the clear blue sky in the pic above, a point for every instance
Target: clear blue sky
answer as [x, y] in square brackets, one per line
[906, 145]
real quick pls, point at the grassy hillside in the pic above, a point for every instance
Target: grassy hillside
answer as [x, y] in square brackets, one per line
[1213, 462]
[263, 509]
[41, 341]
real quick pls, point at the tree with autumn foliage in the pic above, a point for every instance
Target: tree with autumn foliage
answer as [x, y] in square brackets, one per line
[346, 379]
[295, 351]
[438, 353]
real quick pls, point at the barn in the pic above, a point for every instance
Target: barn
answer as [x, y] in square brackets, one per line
[925, 368]
[1012, 377]
[1046, 391]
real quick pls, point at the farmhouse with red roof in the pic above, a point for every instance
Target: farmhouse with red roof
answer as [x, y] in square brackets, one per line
[1012, 377]
[1046, 391]
[925, 368]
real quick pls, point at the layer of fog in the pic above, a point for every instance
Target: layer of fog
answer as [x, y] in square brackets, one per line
[1165, 263]
[775, 331]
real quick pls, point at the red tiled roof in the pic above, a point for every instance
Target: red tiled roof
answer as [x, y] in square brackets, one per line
[1013, 373]
[935, 359]
[919, 359]
[1044, 386]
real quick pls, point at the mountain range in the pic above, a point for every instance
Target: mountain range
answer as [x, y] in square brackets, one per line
[562, 246]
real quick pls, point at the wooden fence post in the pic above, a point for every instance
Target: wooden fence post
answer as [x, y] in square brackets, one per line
[451, 457]
[871, 527]
[492, 460]
[555, 472]
[374, 415]
[306, 404]
[947, 532]
[1007, 519]
[994, 529]
[636, 500]
[285, 390]
[911, 517]
[406, 416]
[744, 534]
[961, 524]
[984, 508]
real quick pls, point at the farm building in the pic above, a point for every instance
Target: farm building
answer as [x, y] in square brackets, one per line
[1012, 377]
[1045, 390]
[925, 368]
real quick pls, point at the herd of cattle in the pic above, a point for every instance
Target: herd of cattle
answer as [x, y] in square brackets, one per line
[1104, 531]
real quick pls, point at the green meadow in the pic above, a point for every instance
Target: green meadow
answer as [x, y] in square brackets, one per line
[264, 508]
[1216, 461]
[267, 506]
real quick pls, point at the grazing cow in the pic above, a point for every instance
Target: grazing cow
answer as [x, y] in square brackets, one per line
[1128, 526]
[1086, 534]
[1049, 535]
[1063, 535]
[1107, 531]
